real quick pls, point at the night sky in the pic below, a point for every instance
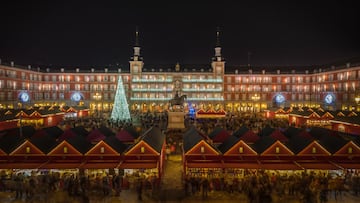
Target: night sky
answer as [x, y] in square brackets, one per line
[78, 33]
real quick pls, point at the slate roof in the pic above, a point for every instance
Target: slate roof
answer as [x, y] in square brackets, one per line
[305, 134]
[291, 131]
[95, 136]
[80, 143]
[54, 131]
[228, 143]
[318, 133]
[67, 134]
[219, 135]
[332, 143]
[263, 143]
[8, 143]
[124, 136]
[277, 135]
[297, 143]
[155, 138]
[106, 131]
[132, 132]
[116, 144]
[243, 129]
[249, 137]
[351, 119]
[80, 130]
[44, 143]
[266, 131]
[191, 138]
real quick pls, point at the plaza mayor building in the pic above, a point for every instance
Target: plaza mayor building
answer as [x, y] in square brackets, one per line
[214, 86]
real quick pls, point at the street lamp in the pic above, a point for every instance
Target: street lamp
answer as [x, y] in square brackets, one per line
[357, 100]
[97, 97]
[255, 98]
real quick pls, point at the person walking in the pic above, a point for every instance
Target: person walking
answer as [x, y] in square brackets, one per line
[139, 189]
[205, 188]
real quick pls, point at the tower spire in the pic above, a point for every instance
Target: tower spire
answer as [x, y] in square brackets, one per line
[137, 37]
[218, 37]
[136, 56]
[217, 46]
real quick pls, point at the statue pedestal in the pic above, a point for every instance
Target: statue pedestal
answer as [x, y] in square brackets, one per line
[176, 120]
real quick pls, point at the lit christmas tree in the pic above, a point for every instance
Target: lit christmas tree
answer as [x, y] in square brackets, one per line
[120, 111]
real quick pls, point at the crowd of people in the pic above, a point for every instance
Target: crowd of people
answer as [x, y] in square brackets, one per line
[41, 187]
[259, 186]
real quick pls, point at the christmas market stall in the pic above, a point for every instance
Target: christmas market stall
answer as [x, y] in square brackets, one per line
[201, 159]
[145, 158]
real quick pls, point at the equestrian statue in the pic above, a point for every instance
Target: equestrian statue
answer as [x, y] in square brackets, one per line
[178, 100]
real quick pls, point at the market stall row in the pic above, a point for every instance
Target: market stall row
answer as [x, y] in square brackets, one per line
[211, 156]
[76, 152]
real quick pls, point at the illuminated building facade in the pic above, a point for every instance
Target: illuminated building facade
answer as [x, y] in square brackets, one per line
[213, 86]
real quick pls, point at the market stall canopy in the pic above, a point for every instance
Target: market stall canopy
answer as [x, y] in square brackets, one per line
[277, 135]
[27, 149]
[241, 131]
[305, 134]
[298, 143]
[280, 165]
[263, 143]
[102, 149]
[318, 133]
[8, 143]
[106, 131]
[228, 144]
[218, 135]
[191, 138]
[194, 144]
[2, 153]
[116, 144]
[54, 131]
[45, 143]
[266, 131]
[150, 143]
[277, 149]
[64, 149]
[80, 144]
[155, 138]
[132, 131]
[125, 136]
[80, 130]
[332, 143]
[69, 133]
[26, 131]
[350, 149]
[235, 147]
[314, 149]
[249, 137]
[291, 131]
[95, 136]
[318, 165]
